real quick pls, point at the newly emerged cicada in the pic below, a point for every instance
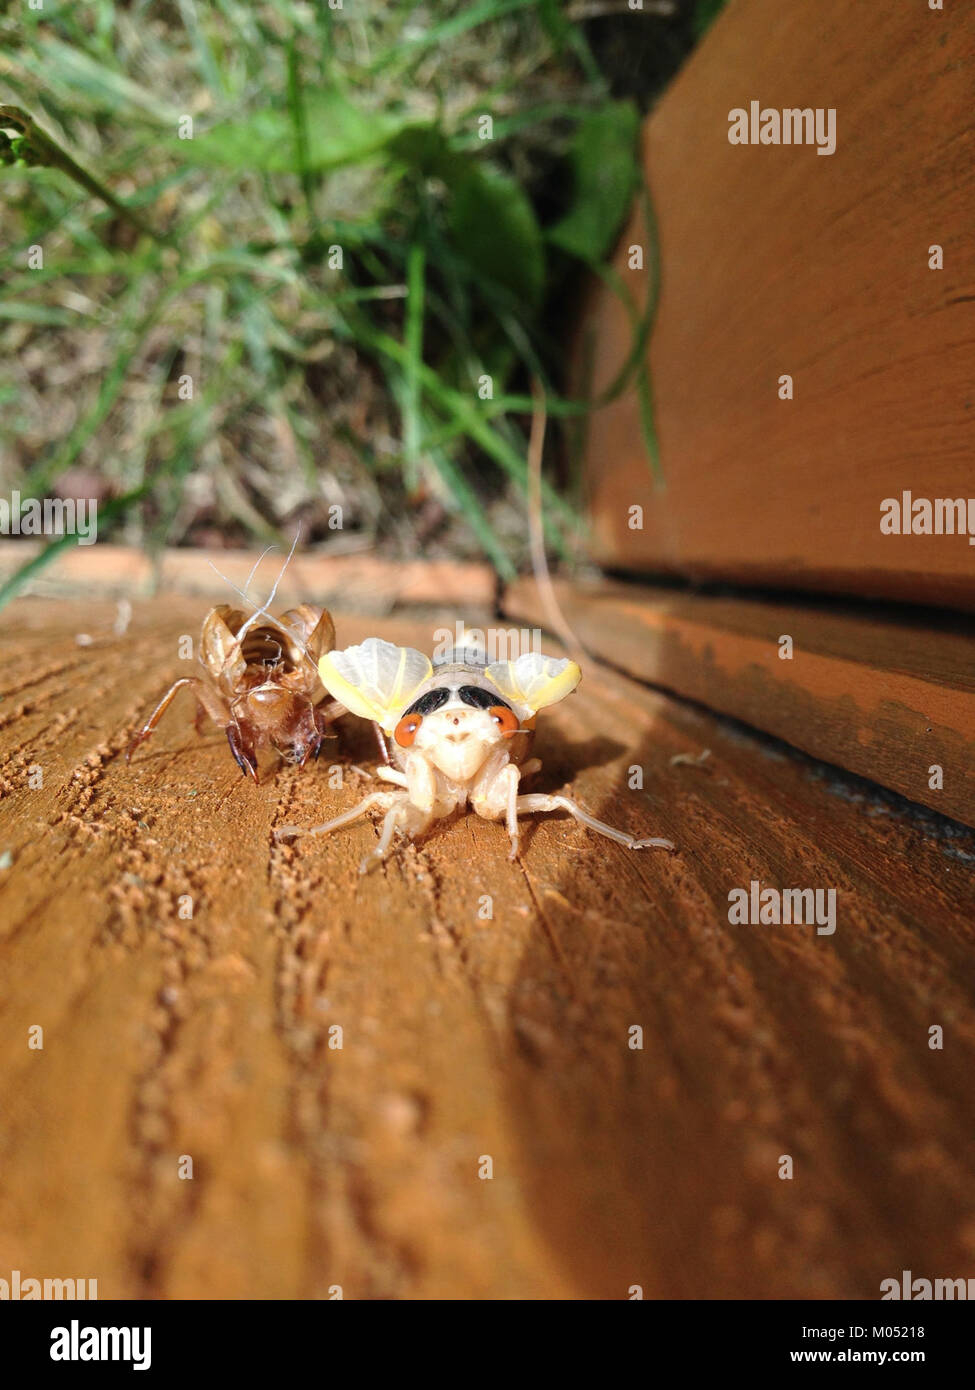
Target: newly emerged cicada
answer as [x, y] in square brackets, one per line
[261, 683]
[461, 734]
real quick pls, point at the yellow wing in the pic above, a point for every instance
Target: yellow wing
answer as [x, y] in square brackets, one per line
[376, 679]
[534, 681]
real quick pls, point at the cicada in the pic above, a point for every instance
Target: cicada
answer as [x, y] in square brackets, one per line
[261, 683]
[461, 732]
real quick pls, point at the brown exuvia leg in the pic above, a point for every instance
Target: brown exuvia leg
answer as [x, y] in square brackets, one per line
[207, 701]
[244, 755]
[323, 717]
[306, 738]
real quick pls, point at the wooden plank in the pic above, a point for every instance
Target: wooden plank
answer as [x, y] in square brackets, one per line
[315, 1167]
[888, 698]
[361, 581]
[778, 261]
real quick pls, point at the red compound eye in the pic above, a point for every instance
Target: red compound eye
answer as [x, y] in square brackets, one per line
[506, 719]
[406, 729]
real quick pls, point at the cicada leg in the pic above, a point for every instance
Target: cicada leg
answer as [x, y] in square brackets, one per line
[381, 744]
[326, 715]
[384, 799]
[243, 750]
[401, 815]
[525, 805]
[392, 774]
[207, 701]
[318, 727]
[405, 818]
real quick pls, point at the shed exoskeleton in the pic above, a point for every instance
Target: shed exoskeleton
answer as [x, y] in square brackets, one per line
[260, 683]
[461, 733]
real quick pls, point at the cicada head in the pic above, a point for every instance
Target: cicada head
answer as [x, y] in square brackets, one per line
[458, 723]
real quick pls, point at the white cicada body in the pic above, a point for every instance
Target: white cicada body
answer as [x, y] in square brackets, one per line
[461, 732]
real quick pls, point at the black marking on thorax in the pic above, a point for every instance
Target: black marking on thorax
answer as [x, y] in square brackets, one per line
[473, 695]
[431, 701]
[479, 698]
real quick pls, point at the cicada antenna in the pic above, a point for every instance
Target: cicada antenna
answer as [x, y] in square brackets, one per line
[262, 609]
[242, 593]
[266, 551]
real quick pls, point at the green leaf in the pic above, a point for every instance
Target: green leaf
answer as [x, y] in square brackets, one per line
[605, 170]
[467, 502]
[705, 13]
[424, 149]
[37, 313]
[492, 226]
[104, 88]
[335, 133]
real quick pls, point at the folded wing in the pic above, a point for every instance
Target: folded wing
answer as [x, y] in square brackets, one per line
[376, 679]
[534, 681]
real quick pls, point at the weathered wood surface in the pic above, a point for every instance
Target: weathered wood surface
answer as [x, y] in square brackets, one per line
[316, 1167]
[887, 697]
[361, 580]
[775, 261]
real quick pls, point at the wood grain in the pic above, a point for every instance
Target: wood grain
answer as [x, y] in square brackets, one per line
[888, 697]
[464, 1037]
[776, 260]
